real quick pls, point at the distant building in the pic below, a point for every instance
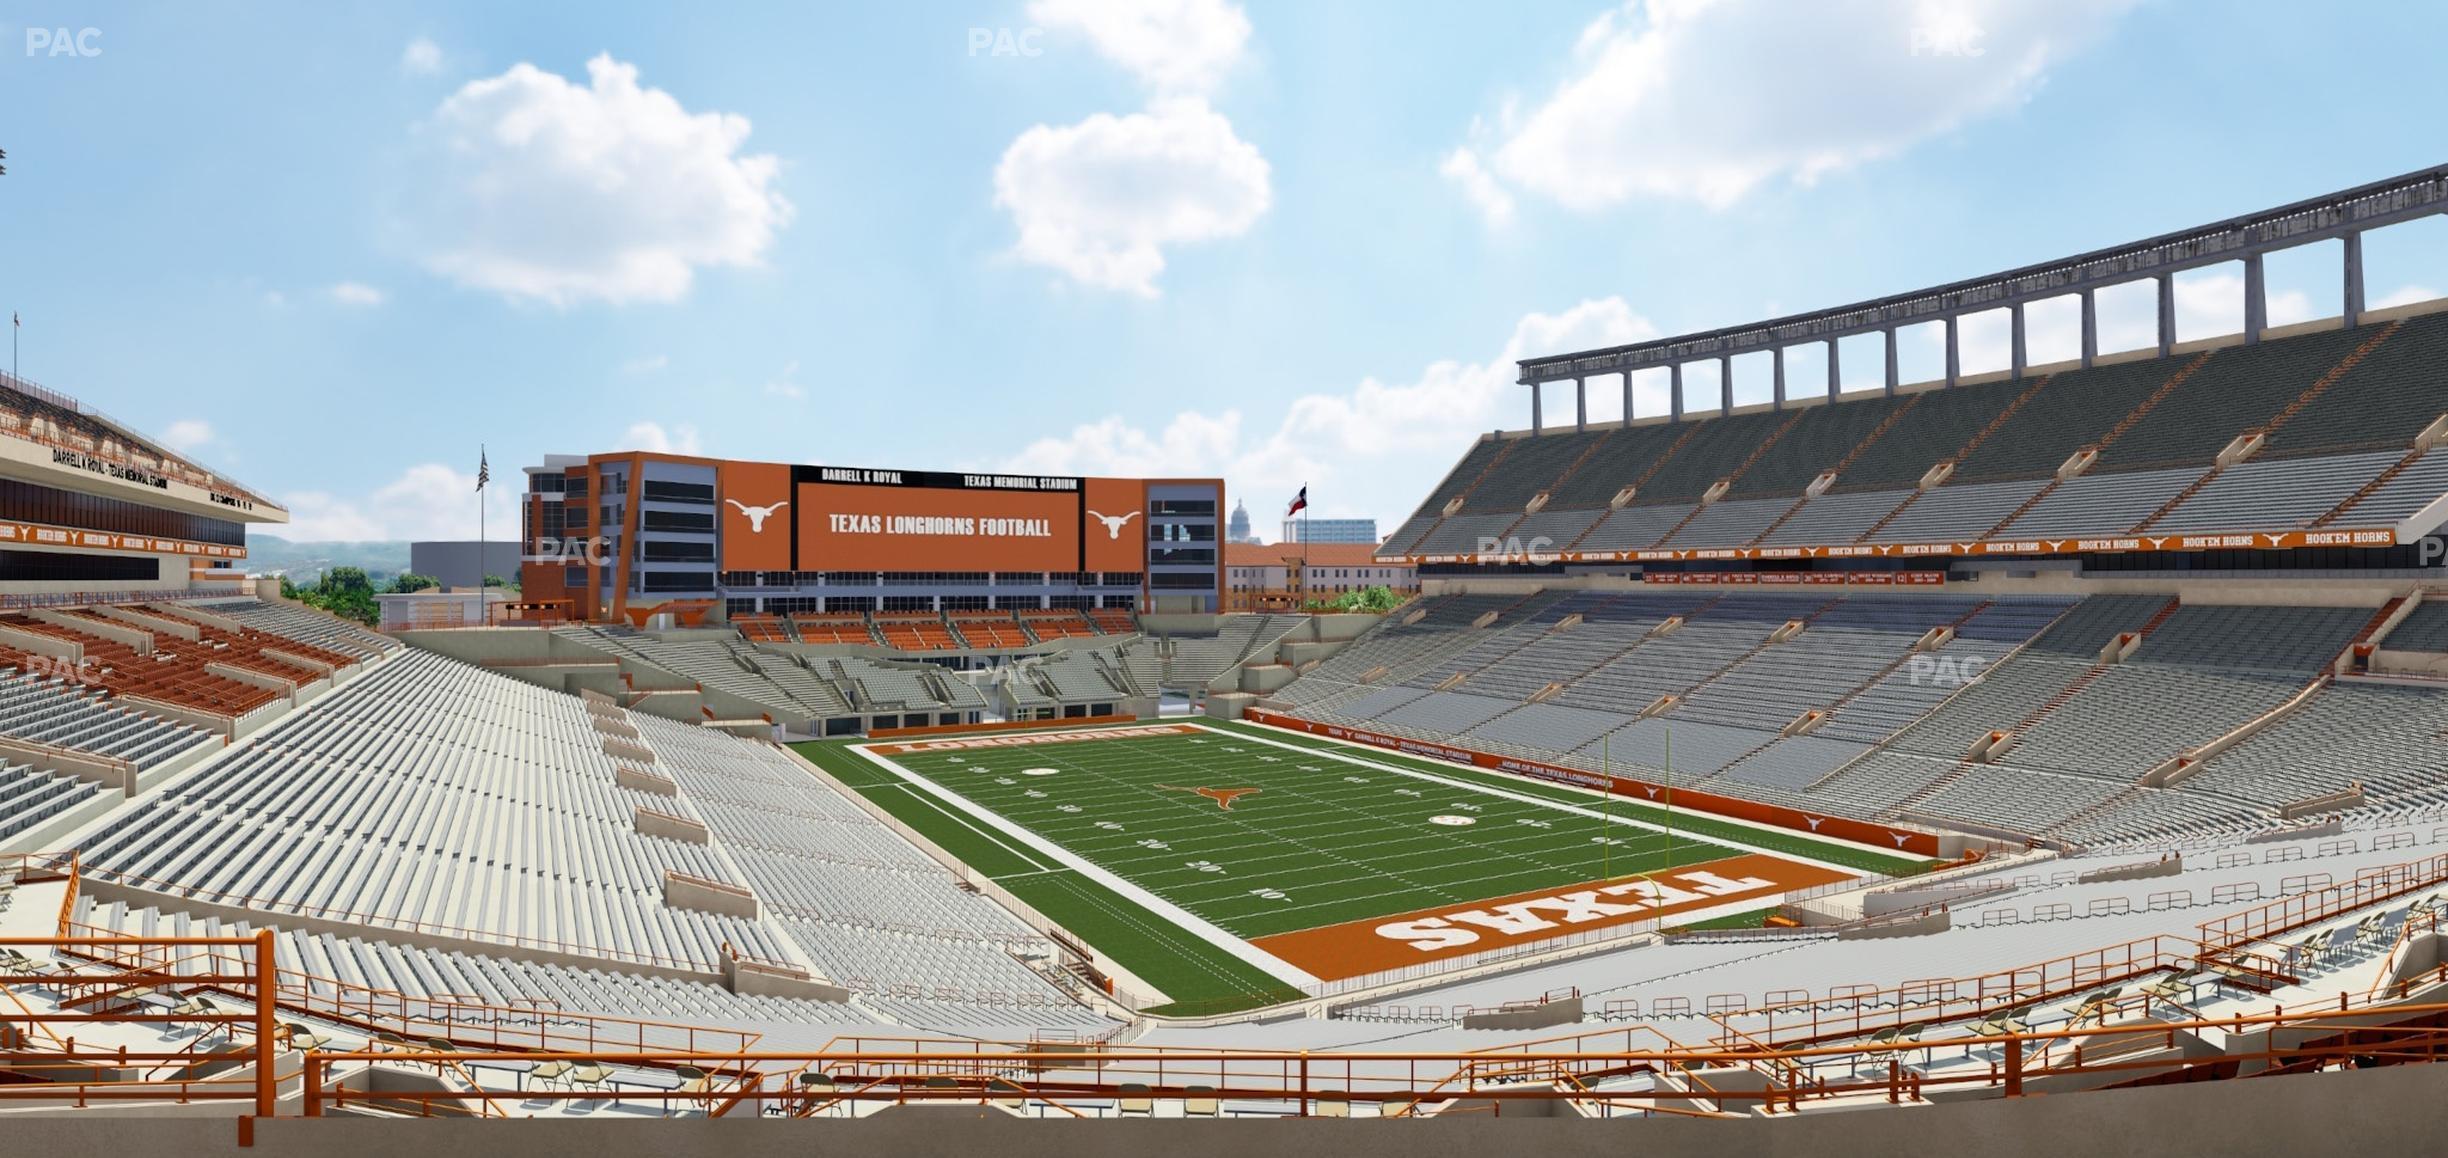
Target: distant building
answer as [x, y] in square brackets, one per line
[1330, 531]
[1281, 576]
[459, 565]
[1237, 530]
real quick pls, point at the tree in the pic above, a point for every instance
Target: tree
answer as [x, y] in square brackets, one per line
[409, 583]
[345, 592]
[498, 581]
[1367, 601]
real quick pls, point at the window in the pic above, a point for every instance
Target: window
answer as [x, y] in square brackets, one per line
[675, 521]
[670, 551]
[77, 567]
[30, 503]
[660, 491]
[676, 580]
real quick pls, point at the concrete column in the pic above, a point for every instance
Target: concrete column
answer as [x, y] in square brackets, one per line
[2018, 356]
[1627, 388]
[1835, 372]
[1777, 357]
[1954, 365]
[1674, 392]
[1894, 372]
[2256, 299]
[1580, 404]
[2353, 295]
[2167, 314]
[1537, 419]
[1725, 384]
[2090, 328]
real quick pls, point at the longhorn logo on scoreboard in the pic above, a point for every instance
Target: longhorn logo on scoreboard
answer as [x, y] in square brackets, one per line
[752, 494]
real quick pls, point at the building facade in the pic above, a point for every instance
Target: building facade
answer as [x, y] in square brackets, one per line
[636, 534]
[1330, 531]
[465, 564]
[94, 511]
[1289, 576]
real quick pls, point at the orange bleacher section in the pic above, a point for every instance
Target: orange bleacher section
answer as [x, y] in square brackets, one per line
[850, 628]
[1061, 623]
[916, 631]
[990, 629]
[927, 631]
[174, 674]
[761, 628]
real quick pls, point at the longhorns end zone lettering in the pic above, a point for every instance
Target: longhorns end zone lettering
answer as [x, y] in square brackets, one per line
[1540, 914]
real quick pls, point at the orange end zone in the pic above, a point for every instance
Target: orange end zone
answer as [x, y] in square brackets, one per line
[1378, 944]
[1026, 739]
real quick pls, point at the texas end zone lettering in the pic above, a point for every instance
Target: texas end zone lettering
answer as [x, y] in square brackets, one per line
[1397, 940]
[1541, 915]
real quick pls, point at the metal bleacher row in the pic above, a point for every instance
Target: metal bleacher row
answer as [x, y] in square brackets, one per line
[435, 799]
[2338, 417]
[45, 709]
[499, 820]
[1872, 705]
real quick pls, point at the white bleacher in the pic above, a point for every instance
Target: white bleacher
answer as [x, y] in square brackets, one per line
[428, 794]
[48, 710]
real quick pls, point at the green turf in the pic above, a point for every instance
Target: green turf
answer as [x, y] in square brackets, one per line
[1324, 841]
[1698, 824]
[1203, 978]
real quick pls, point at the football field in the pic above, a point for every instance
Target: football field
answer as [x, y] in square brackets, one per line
[1265, 862]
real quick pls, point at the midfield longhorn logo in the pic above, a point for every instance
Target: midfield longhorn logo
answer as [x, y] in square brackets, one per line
[1223, 797]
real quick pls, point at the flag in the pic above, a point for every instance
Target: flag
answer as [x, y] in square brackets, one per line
[484, 470]
[1300, 502]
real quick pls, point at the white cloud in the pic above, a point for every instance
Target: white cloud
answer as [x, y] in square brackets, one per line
[1099, 200]
[1372, 450]
[355, 293]
[558, 193]
[1462, 167]
[427, 501]
[421, 57]
[1172, 46]
[651, 436]
[783, 384]
[1707, 99]
[646, 365]
[187, 435]
[2405, 295]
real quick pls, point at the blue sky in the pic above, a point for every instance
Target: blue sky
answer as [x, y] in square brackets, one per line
[332, 247]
